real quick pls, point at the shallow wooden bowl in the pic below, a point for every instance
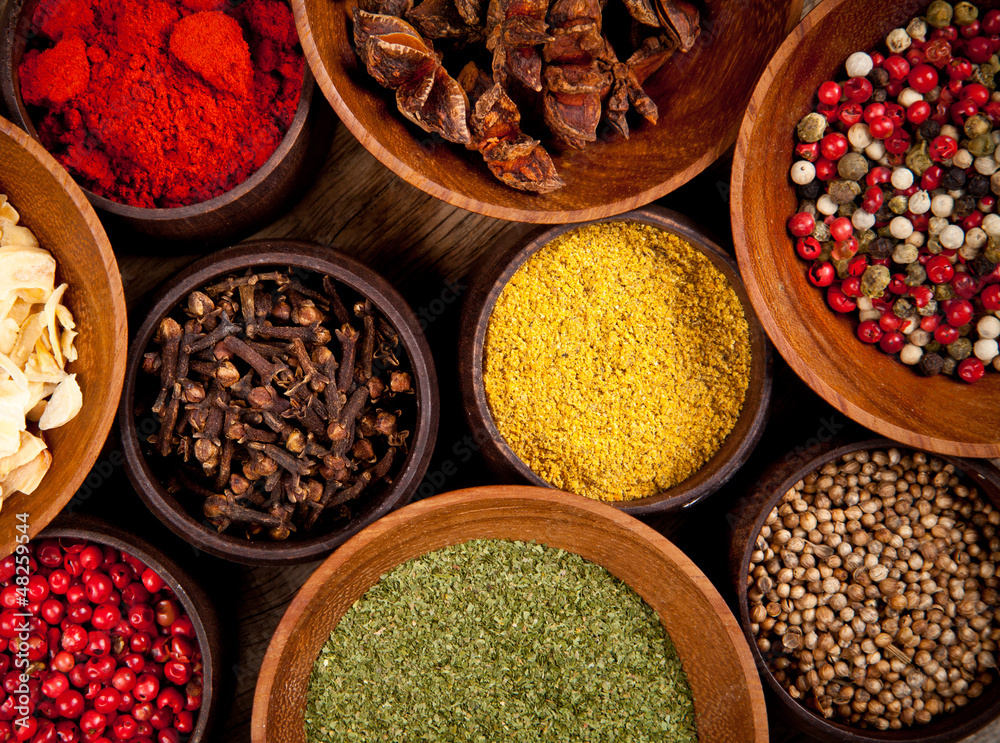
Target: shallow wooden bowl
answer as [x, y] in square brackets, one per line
[195, 601]
[56, 210]
[486, 289]
[187, 522]
[700, 97]
[235, 213]
[727, 693]
[750, 516]
[937, 414]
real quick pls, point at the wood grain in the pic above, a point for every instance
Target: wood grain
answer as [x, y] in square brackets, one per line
[486, 288]
[54, 208]
[938, 414]
[729, 702]
[700, 96]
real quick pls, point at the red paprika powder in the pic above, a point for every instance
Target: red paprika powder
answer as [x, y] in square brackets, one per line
[165, 103]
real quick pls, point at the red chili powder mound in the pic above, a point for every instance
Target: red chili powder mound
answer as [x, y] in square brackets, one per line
[164, 103]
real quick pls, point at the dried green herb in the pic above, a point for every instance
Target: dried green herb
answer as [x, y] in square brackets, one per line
[499, 641]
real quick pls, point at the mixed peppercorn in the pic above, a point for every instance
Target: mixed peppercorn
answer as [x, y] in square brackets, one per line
[111, 654]
[897, 176]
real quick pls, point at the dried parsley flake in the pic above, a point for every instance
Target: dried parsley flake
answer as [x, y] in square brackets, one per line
[617, 361]
[499, 641]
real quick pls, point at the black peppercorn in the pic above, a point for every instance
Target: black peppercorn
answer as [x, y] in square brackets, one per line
[953, 179]
[812, 189]
[930, 364]
[949, 365]
[980, 265]
[879, 95]
[878, 77]
[929, 129]
[884, 213]
[880, 248]
[978, 186]
[964, 206]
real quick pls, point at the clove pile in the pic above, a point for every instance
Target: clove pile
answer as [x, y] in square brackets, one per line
[282, 406]
[559, 58]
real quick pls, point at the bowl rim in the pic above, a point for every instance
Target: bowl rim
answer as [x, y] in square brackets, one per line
[869, 417]
[765, 495]
[12, 17]
[344, 269]
[513, 214]
[116, 298]
[505, 497]
[475, 325]
[191, 595]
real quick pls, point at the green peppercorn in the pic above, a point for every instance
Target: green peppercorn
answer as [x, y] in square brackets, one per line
[842, 267]
[982, 145]
[943, 292]
[809, 206]
[932, 346]
[915, 273]
[865, 239]
[811, 127]
[929, 309]
[992, 249]
[822, 231]
[904, 308]
[985, 75]
[930, 364]
[853, 166]
[960, 349]
[939, 14]
[964, 14]
[918, 159]
[949, 366]
[933, 244]
[843, 191]
[847, 210]
[826, 252]
[899, 204]
[875, 281]
[976, 125]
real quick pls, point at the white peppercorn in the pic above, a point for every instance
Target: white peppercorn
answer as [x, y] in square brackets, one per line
[911, 354]
[942, 205]
[902, 178]
[952, 237]
[858, 64]
[803, 172]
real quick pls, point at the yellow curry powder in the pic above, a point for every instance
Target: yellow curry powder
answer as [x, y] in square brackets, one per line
[617, 360]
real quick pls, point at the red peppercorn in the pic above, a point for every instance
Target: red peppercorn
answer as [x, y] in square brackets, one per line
[962, 110]
[971, 370]
[834, 146]
[943, 147]
[808, 151]
[874, 111]
[828, 112]
[965, 285]
[841, 228]
[959, 312]
[930, 323]
[923, 78]
[898, 142]
[839, 301]
[921, 295]
[937, 52]
[851, 286]
[850, 114]
[977, 93]
[857, 265]
[858, 89]
[958, 69]
[991, 297]
[829, 92]
[917, 113]
[945, 334]
[897, 67]
[892, 342]
[870, 332]
[881, 127]
[822, 274]
[872, 200]
[970, 29]
[939, 269]
[897, 284]
[889, 321]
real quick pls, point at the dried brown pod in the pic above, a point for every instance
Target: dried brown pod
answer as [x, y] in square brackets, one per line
[514, 30]
[399, 58]
[681, 21]
[512, 156]
[440, 19]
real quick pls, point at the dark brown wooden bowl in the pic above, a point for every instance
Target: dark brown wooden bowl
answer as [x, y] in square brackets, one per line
[194, 599]
[363, 280]
[750, 516]
[728, 698]
[486, 287]
[232, 215]
[53, 207]
[937, 414]
[700, 96]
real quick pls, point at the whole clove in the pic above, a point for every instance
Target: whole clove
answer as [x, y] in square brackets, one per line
[269, 396]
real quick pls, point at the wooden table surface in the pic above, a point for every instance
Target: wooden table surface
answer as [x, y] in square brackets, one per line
[426, 248]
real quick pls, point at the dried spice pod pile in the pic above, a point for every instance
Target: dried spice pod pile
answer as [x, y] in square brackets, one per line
[281, 406]
[873, 590]
[554, 58]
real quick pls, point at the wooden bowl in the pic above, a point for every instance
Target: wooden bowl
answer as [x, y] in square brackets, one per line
[235, 213]
[750, 516]
[699, 95]
[727, 694]
[194, 600]
[938, 414]
[486, 289]
[56, 210]
[311, 257]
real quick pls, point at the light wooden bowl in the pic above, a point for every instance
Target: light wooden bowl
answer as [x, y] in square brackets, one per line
[938, 414]
[53, 207]
[486, 288]
[193, 598]
[234, 214]
[750, 516]
[181, 513]
[699, 95]
[728, 697]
